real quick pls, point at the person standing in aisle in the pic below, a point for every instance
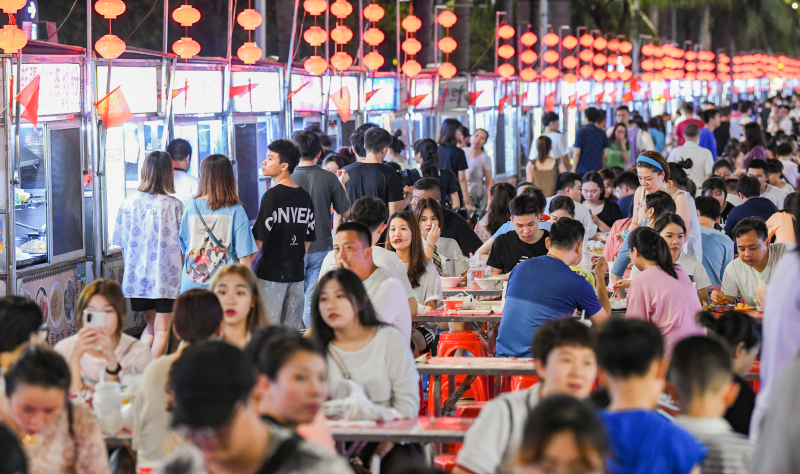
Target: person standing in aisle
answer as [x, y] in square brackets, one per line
[454, 158]
[284, 229]
[185, 184]
[708, 140]
[591, 144]
[369, 176]
[479, 175]
[326, 192]
[560, 150]
[147, 229]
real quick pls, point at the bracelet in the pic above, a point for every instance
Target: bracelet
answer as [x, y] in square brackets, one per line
[114, 372]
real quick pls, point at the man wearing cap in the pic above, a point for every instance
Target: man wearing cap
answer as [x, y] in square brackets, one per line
[212, 385]
[560, 149]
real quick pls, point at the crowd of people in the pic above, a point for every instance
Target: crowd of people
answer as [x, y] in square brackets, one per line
[254, 325]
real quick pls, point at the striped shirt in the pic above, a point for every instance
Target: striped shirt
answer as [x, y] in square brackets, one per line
[729, 452]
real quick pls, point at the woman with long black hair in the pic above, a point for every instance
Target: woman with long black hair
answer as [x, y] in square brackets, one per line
[426, 153]
[499, 213]
[454, 158]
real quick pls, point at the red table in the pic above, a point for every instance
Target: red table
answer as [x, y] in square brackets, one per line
[413, 430]
[493, 321]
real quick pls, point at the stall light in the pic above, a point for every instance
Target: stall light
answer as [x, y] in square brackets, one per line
[625, 47]
[586, 40]
[613, 45]
[690, 55]
[625, 60]
[600, 43]
[12, 6]
[570, 78]
[411, 45]
[373, 60]
[373, 12]
[599, 59]
[613, 75]
[647, 49]
[447, 19]
[570, 62]
[315, 36]
[447, 44]
[625, 75]
[109, 9]
[528, 39]
[374, 37]
[249, 53]
[315, 65]
[506, 32]
[658, 52]
[550, 39]
[599, 75]
[569, 42]
[411, 23]
[550, 56]
[586, 71]
[586, 55]
[550, 73]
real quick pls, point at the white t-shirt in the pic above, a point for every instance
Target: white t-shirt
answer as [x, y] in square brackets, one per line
[185, 186]
[692, 266]
[381, 258]
[386, 294]
[491, 442]
[790, 171]
[430, 285]
[560, 147]
[776, 195]
[702, 161]
[477, 165]
[742, 280]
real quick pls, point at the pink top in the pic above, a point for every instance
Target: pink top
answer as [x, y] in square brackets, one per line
[612, 244]
[132, 355]
[668, 303]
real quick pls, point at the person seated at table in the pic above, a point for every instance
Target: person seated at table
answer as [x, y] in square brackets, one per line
[558, 291]
[759, 169]
[625, 186]
[560, 207]
[452, 225]
[565, 364]
[353, 251]
[20, 326]
[717, 246]
[528, 189]
[662, 294]
[673, 230]
[749, 274]
[781, 224]
[12, 453]
[291, 381]
[604, 212]
[106, 350]
[405, 239]
[563, 434]
[716, 187]
[365, 351]
[630, 355]
[198, 317]
[701, 381]
[753, 205]
[526, 242]
[59, 436]
[743, 335]
[242, 302]
[212, 385]
[437, 249]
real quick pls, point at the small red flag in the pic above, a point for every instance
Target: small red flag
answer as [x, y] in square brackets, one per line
[502, 104]
[342, 101]
[573, 101]
[177, 92]
[29, 98]
[416, 100]
[667, 95]
[237, 91]
[473, 97]
[522, 98]
[370, 94]
[113, 109]
[751, 90]
[292, 94]
[444, 96]
[612, 96]
[627, 97]
[635, 86]
[600, 98]
[584, 102]
[550, 102]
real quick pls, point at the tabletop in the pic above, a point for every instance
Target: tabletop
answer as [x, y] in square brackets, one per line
[413, 430]
[476, 366]
[439, 316]
[471, 291]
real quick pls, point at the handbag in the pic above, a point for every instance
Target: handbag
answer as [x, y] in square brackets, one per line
[213, 237]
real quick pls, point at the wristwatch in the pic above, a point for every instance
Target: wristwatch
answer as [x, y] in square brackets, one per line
[116, 371]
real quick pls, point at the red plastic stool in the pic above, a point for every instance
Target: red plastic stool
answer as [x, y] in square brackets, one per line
[522, 382]
[469, 409]
[755, 369]
[445, 462]
[451, 341]
[478, 391]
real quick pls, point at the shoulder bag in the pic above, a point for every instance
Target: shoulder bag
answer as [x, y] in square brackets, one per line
[213, 237]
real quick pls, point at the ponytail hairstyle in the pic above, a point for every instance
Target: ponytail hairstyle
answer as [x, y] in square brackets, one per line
[667, 219]
[429, 151]
[543, 147]
[677, 174]
[734, 327]
[652, 247]
[660, 202]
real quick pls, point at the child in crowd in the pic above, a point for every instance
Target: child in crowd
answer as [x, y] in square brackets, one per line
[244, 308]
[565, 362]
[630, 354]
[701, 380]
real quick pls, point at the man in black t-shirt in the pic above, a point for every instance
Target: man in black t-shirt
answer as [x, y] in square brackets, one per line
[527, 240]
[454, 226]
[370, 177]
[283, 231]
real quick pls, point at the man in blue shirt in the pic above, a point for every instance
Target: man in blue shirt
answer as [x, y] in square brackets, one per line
[546, 288]
[753, 205]
[591, 143]
[711, 119]
[625, 187]
[717, 247]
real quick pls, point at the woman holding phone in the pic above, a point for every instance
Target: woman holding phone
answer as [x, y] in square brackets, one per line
[100, 345]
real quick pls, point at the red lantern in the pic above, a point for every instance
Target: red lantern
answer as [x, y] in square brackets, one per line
[446, 19]
[599, 59]
[586, 71]
[625, 75]
[586, 55]
[690, 76]
[249, 19]
[550, 73]
[690, 55]
[550, 39]
[625, 60]
[570, 78]
[315, 7]
[505, 70]
[342, 34]
[12, 6]
[505, 51]
[186, 15]
[110, 9]
[109, 46]
[647, 50]
[249, 53]
[550, 56]
[411, 68]
[723, 68]
[586, 40]
[647, 77]
[314, 65]
[527, 74]
[186, 48]
[612, 59]
[448, 45]
[724, 58]
[528, 39]
[658, 52]
[569, 42]
[723, 77]
[613, 75]
[691, 67]
[374, 37]
[506, 32]
[447, 70]
[570, 62]
[373, 60]
[658, 64]
[528, 57]
[341, 9]
[411, 46]
[373, 13]
[599, 75]
[600, 43]
[12, 39]
[411, 24]
[613, 45]
[315, 36]
[341, 61]
[648, 65]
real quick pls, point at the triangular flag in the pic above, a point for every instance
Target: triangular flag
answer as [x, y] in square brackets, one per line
[522, 98]
[612, 96]
[292, 94]
[584, 102]
[113, 109]
[342, 101]
[600, 98]
[635, 86]
[573, 101]
[370, 94]
[176, 92]
[627, 97]
[444, 96]
[416, 100]
[29, 98]
[550, 102]
[237, 91]
[502, 104]
[473, 97]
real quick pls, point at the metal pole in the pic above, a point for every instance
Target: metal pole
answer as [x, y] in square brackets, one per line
[261, 31]
[11, 262]
[287, 85]
[361, 32]
[97, 185]
[496, 27]
[12, 274]
[164, 40]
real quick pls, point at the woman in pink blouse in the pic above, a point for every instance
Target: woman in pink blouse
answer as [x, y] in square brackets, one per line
[662, 294]
[59, 437]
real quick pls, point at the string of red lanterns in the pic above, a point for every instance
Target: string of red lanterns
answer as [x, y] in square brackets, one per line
[505, 32]
[528, 57]
[373, 37]
[12, 39]
[109, 46]
[314, 35]
[411, 46]
[447, 44]
[341, 35]
[186, 15]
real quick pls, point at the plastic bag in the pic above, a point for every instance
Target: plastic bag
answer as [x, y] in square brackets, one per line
[760, 294]
[357, 407]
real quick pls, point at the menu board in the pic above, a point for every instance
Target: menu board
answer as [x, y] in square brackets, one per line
[383, 99]
[139, 85]
[421, 86]
[309, 97]
[456, 94]
[265, 96]
[203, 93]
[59, 87]
[486, 99]
[333, 84]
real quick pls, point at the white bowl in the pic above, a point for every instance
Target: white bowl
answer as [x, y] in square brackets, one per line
[492, 283]
[450, 282]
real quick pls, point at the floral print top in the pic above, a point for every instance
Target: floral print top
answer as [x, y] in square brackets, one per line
[147, 229]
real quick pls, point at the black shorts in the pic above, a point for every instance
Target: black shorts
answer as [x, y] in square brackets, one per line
[161, 305]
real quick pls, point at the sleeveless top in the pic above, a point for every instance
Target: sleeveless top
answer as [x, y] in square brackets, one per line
[546, 179]
[694, 243]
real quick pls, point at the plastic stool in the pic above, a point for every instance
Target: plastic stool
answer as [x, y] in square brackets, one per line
[469, 409]
[478, 391]
[522, 382]
[445, 462]
[755, 369]
[451, 341]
